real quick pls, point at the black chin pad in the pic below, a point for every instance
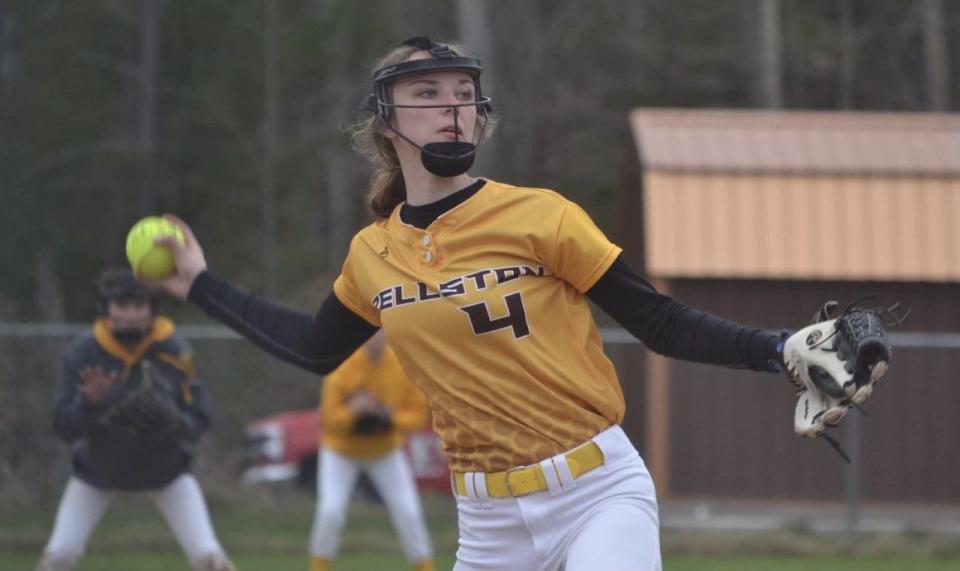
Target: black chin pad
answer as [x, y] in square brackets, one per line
[448, 159]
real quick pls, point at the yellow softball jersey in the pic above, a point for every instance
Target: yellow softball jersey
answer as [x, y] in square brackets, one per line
[486, 312]
[385, 380]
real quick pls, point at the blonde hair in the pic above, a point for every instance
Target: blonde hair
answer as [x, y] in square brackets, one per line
[387, 187]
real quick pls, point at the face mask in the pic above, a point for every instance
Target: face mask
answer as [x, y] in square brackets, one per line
[129, 336]
[444, 159]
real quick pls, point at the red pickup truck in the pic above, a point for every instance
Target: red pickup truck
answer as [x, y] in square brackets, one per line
[283, 447]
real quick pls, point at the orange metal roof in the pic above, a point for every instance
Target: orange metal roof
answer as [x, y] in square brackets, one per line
[800, 195]
[810, 142]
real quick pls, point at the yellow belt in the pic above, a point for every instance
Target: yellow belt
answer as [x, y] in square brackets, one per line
[530, 479]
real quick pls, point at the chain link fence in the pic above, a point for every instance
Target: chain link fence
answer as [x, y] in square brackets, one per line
[243, 383]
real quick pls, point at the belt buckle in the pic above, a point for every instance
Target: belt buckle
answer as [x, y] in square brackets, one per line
[506, 477]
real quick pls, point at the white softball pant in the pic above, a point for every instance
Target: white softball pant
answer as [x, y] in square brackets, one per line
[605, 519]
[393, 479]
[181, 503]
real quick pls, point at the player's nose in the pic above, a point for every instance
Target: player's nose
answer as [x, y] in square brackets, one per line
[449, 98]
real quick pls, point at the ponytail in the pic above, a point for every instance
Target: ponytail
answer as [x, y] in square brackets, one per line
[387, 190]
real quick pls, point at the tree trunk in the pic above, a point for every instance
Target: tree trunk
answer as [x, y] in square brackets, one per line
[148, 71]
[937, 59]
[848, 54]
[268, 157]
[339, 205]
[771, 55]
[50, 303]
[524, 160]
[343, 205]
[9, 56]
[474, 30]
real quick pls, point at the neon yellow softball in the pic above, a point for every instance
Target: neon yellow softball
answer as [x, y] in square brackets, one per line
[146, 258]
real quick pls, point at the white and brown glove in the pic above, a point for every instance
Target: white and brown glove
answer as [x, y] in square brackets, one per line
[835, 363]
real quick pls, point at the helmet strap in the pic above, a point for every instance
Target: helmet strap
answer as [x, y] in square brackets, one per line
[445, 159]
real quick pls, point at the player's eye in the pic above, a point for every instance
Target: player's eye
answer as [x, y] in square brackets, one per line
[427, 93]
[466, 95]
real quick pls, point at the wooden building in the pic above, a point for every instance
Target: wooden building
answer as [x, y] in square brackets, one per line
[760, 217]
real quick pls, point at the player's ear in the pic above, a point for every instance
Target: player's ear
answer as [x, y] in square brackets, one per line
[387, 133]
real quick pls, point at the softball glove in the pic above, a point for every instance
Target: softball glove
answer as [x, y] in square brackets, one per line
[835, 363]
[147, 409]
[377, 421]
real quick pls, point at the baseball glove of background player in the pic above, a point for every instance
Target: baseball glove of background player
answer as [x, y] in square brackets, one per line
[146, 409]
[377, 421]
[835, 363]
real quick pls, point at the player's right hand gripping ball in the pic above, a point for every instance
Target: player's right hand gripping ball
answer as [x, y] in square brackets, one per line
[835, 362]
[145, 257]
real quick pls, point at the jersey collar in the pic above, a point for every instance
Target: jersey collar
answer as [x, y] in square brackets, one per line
[451, 216]
[422, 216]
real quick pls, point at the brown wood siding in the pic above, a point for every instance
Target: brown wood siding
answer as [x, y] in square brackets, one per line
[803, 227]
[760, 217]
[732, 433]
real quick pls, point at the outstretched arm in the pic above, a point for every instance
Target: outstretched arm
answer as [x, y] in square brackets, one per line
[673, 329]
[318, 343]
[833, 363]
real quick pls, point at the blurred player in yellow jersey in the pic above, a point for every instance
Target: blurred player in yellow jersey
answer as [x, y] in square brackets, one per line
[368, 403]
[483, 289]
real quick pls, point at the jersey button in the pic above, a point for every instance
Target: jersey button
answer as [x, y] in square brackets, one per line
[425, 240]
[428, 256]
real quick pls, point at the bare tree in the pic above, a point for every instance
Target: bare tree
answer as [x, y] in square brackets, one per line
[268, 179]
[848, 54]
[50, 301]
[937, 59]
[474, 25]
[9, 56]
[524, 64]
[151, 12]
[339, 165]
[771, 54]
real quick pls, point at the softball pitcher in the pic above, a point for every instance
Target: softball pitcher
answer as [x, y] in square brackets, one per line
[483, 289]
[368, 404]
[131, 406]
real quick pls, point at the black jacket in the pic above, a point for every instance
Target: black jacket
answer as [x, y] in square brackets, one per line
[109, 456]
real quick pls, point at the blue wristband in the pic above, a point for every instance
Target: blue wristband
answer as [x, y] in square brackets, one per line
[777, 365]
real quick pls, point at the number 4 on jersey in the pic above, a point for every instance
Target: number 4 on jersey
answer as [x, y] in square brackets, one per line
[516, 317]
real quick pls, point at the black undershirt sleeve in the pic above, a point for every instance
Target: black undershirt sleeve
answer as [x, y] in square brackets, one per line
[317, 343]
[673, 329]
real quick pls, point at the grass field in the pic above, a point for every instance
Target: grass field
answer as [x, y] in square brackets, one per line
[386, 562]
[270, 534]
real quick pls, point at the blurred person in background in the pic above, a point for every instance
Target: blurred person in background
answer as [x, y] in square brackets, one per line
[367, 406]
[483, 289]
[123, 444]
